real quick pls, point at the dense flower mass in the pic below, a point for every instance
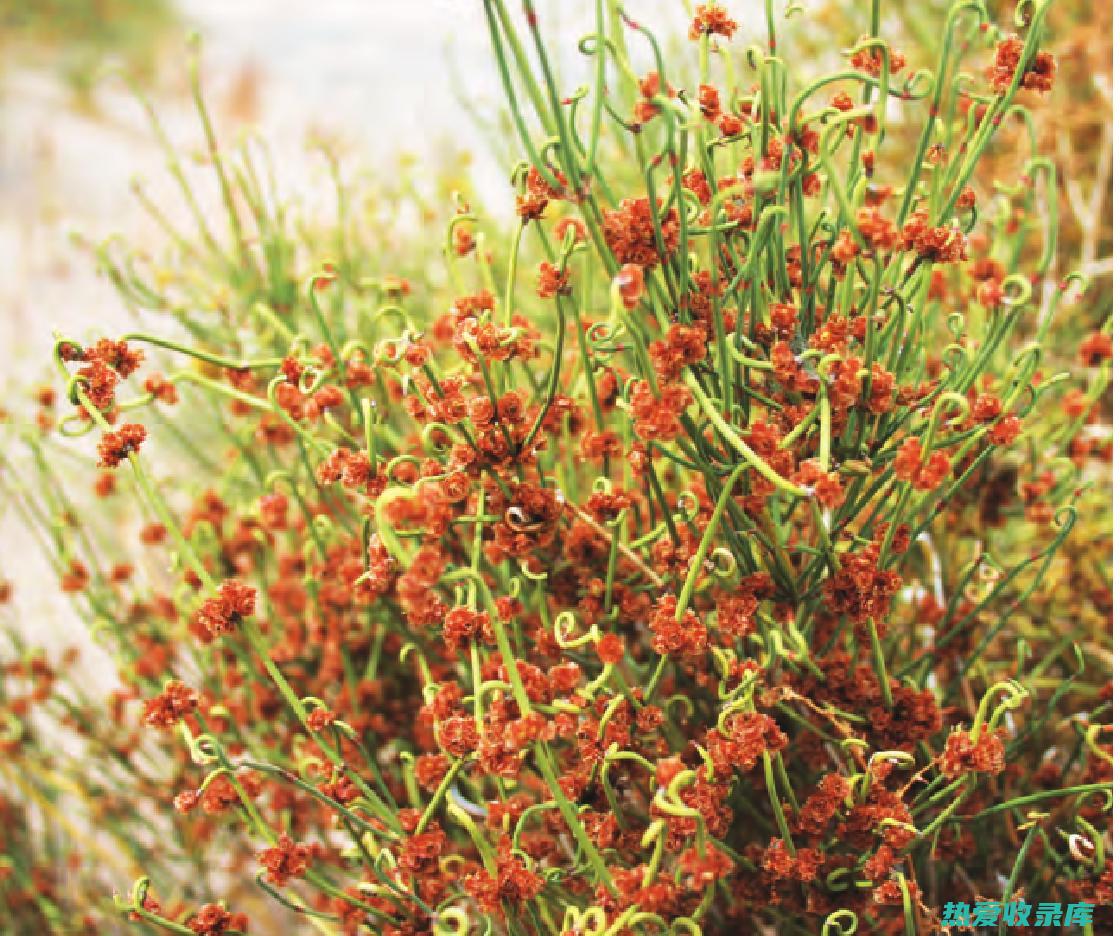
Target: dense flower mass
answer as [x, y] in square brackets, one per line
[700, 550]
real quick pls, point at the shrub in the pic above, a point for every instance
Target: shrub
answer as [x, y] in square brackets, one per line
[687, 572]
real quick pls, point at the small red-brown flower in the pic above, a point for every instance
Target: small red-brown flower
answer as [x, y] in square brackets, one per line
[151, 904]
[220, 615]
[652, 85]
[99, 381]
[186, 801]
[707, 96]
[214, 920]
[706, 869]
[942, 244]
[631, 284]
[76, 577]
[462, 625]
[964, 755]
[870, 60]
[320, 718]
[777, 859]
[986, 407]
[514, 882]
[538, 193]
[464, 240]
[430, 770]
[162, 389]
[1037, 76]
[656, 418]
[1095, 349]
[878, 231]
[175, 702]
[115, 447]
[420, 854]
[610, 649]
[552, 281]
[458, 735]
[1005, 431]
[684, 637]
[285, 860]
[712, 20]
[115, 354]
[731, 125]
[630, 234]
[924, 475]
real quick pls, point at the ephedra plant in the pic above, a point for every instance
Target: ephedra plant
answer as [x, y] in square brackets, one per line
[681, 564]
